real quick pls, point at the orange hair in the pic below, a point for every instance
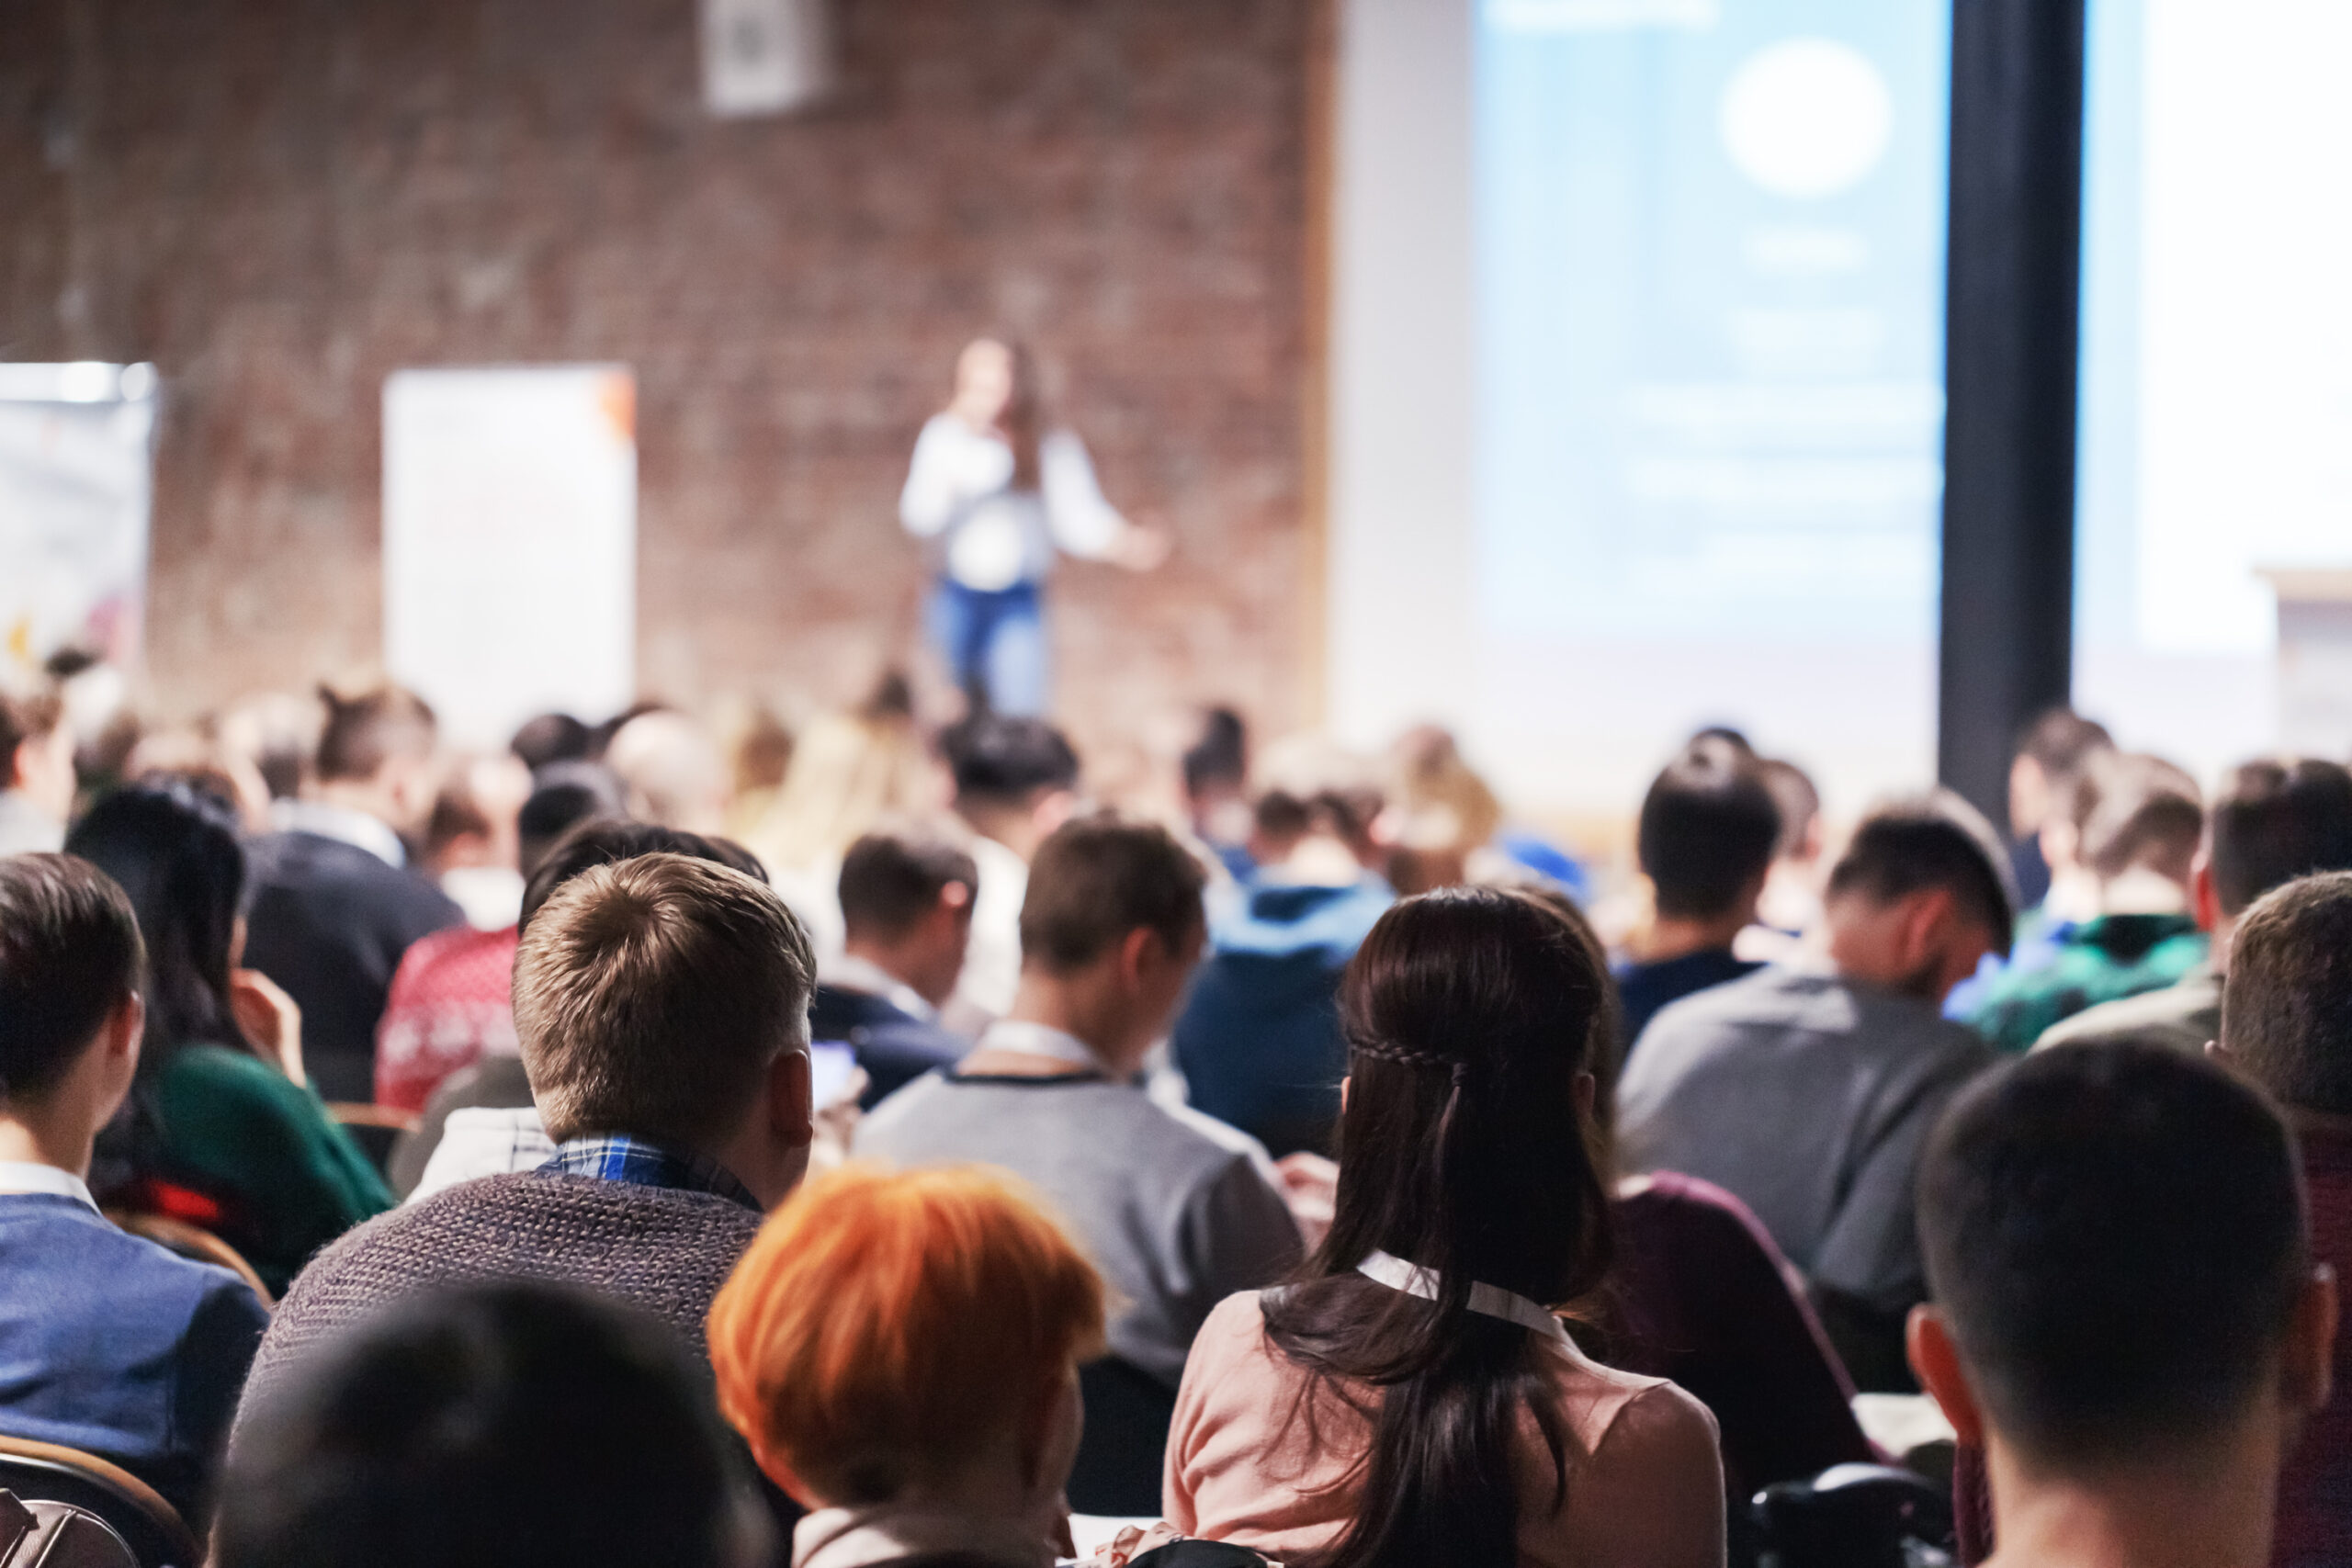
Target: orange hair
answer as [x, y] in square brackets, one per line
[884, 1322]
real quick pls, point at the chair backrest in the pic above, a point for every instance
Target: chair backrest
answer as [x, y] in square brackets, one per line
[376, 1128]
[57, 1535]
[1852, 1515]
[155, 1534]
[191, 1242]
[1128, 1413]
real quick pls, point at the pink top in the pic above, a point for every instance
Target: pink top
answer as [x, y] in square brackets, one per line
[1646, 1487]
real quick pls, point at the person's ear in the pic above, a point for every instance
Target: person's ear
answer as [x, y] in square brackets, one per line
[1926, 928]
[126, 1027]
[792, 1102]
[1343, 1092]
[1934, 1360]
[2203, 902]
[1140, 952]
[2307, 1368]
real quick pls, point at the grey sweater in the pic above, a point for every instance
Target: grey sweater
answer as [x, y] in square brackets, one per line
[664, 1251]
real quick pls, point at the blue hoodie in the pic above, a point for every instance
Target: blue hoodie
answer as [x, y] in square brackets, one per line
[1259, 1039]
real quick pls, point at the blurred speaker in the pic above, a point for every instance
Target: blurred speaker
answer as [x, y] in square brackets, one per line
[766, 56]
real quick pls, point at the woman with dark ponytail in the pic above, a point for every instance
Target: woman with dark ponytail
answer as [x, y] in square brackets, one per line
[1412, 1401]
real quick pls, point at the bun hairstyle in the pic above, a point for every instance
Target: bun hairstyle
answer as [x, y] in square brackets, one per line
[1471, 1015]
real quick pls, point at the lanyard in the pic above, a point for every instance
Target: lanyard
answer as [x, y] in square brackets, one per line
[1487, 1301]
[1040, 1040]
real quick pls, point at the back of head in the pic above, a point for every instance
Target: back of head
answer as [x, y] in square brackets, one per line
[1800, 802]
[1470, 1015]
[174, 849]
[650, 996]
[502, 1425]
[1097, 878]
[370, 728]
[2275, 821]
[69, 955]
[2114, 1234]
[563, 795]
[1220, 758]
[547, 738]
[30, 710]
[2061, 742]
[673, 770]
[2138, 812]
[2287, 1002]
[1709, 828]
[1308, 784]
[1934, 841]
[601, 841]
[884, 1327]
[1000, 760]
[893, 877]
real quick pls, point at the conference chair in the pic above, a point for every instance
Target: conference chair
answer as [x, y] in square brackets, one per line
[39, 1534]
[1128, 1413]
[1854, 1515]
[153, 1530]
[377, 1128]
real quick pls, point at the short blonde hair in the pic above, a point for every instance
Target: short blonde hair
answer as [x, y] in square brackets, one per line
[652, 994]
[886, 1322]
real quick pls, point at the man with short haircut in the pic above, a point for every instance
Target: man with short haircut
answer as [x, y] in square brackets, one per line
[1178, 1210]
[662, 1006]
[2050, 754]
[334, 905]
[1709, 828]
[2273, 821]
[1806, 1092]
[109, 1344]
[2137, 826]
[2126, 1316]
[37, 780]
[1017, 781]
[906, 897]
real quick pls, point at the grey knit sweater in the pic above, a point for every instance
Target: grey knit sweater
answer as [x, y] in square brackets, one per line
[660, 1250]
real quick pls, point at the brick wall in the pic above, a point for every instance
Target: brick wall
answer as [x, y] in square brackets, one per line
[280, 201]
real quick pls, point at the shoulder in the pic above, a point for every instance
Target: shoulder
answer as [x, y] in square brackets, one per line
[1657, 1434]
[1210, 1150]
[1233, 1336]
[226, 1078]
[2187, 1013]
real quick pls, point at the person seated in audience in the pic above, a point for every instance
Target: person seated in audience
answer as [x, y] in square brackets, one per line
[493, 1425]
[757, 748]
[1216, 769]
[662, 1004]
[111, 1344]
[1441, 816]
[547, 739]
[1258, 1041]
[36, 778]
[1789, 911]
[220, 1130]
[1413, 1397]
[2055, 749]
[1015, 781]
[334, 905]
[2127, 1317]
[1178, 1210]
[472, 849]
[673, 772]
[481, 1121]
[277, 734]
[1708, 831]
[2273, 821]
[450, 1004]
[1805, 1092]
[2137, 825]
[906, 897]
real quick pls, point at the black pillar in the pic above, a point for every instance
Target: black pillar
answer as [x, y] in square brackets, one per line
[2010, 372]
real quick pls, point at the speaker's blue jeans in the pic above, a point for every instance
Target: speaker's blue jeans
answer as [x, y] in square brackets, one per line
[995, 643]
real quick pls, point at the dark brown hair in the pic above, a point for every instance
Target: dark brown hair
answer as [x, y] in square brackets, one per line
[893, 877]
[2287, 1003]
[1708, 830]
[2275, 820]
[366, 730]
[1936, 839]
[1470, 1014]
[651, 994]
[1095, 879]
[69, 955]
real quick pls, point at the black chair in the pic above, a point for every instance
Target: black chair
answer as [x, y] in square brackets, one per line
[1128, 1413]
[1855, 1516]
[48, 1473]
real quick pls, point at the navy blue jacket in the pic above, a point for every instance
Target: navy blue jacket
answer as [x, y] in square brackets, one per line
[893, 1045]
[111, 1344]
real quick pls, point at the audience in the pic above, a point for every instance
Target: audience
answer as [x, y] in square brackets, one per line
[1258, 1041]
[673, 770]
[1440, 813]
[1469, 1208]
[2126, 1314]
[661, 1005]
[335, 906]
[2052, 753]
[1806, 1092]
[1017, 781]
[450, 1004]
[2136, 824]
[906, 897]
[220, 1129]
[490, 1425]
[1178, 1210]
[547, 739]
[277, 734]
[1791, 907]
[36, 778]
[2272, 822]
[1216, 789]
[472, 849]
[110, 1344]
[1706, 839]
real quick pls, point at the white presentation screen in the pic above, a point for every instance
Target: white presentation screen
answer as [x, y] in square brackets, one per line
[510, 543]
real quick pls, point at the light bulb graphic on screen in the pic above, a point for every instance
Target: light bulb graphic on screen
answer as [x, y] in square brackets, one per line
[1806, 118]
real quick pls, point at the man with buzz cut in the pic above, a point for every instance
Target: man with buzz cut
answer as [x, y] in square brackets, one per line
[2126, 1318]
[108, 1343]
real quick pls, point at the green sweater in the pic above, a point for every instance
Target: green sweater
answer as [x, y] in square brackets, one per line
[235, 1128]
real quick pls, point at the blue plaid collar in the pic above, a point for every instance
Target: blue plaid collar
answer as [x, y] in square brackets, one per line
[616, 1156]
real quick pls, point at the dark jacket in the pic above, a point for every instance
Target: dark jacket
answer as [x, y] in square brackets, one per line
[893, 1045]
[328, 922]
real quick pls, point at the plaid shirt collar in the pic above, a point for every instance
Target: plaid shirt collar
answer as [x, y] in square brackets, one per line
[616, 1156]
